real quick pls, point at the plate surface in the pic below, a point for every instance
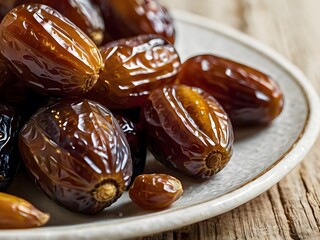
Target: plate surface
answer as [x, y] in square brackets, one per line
[262, 155]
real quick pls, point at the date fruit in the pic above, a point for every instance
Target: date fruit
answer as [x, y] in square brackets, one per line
[83, 13]
[17, 213]
[188, 130]
[130, 18]
[46, 50]
[133, 68]
[138, 147]
[78, 154]
[246, 94]
[155, 191]
[9, 162]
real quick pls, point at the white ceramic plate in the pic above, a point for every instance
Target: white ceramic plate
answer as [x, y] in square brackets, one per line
[262, 156]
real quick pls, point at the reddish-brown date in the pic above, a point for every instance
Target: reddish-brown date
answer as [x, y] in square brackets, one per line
[133, 68]
[188, 130]
[78, 154]
[155, 191]
[83, 13]
[47, 51]
[136, 140]
[134, 17]
[247, 95]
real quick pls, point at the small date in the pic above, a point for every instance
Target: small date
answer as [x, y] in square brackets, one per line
[155, 191]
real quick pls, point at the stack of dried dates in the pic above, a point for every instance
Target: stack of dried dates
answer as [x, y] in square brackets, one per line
[87, 86]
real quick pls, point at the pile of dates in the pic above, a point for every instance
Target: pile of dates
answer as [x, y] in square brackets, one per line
[87, 86]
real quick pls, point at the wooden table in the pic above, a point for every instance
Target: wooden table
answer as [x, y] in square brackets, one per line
[291, 209]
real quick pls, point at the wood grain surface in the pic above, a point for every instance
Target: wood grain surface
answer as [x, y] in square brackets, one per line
[291, 209]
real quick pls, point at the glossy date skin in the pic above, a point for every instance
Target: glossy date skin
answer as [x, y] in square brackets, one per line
[78, 155]
[130, 18]
[136, 140]
[247, 95]
[16, 213]
[9, 161]
[83, 13]
[48, 52]
[155, 191]
[133, 68]
[188, 130]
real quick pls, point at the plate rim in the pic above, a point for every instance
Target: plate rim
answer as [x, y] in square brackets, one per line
[226, 202]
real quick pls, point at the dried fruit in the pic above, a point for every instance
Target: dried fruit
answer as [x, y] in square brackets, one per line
[9, 162]
[83, 13]
[49, 52]
[136, 140]
[16, 212]
[135, 17]
[188, 130]
[246, 94]
[155, 191]
[78, 154]
[133, 68]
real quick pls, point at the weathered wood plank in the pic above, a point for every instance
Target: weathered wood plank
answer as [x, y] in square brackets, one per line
[291, 209]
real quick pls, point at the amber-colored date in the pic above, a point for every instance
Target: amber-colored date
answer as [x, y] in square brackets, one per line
[155, 191]
[133, 68]
[49, 52]
[9, 162]
[247, 95]
[83, 13]
[134, 17]
[78, 154]
[17, 213]
[188, 130]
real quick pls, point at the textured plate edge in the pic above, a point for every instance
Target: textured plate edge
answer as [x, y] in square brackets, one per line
[178, 218]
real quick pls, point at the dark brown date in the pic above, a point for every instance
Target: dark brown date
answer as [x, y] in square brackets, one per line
[83, 13]
[78, 155]
[9, 162]
[130, 18]
[188, 130]
[133, 68]
[136, 140]
[47, 51]
[247, 95]
[155, 191]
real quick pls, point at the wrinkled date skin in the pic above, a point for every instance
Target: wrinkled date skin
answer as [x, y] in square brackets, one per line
[18, 213]
[133, 68]
[247, 95]
[49, 52]
[5, 72]
[130, 18]
[136, 140]
[155, 191]
[9, 162]
[78, 155]
[188, 130]
[83, 13]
